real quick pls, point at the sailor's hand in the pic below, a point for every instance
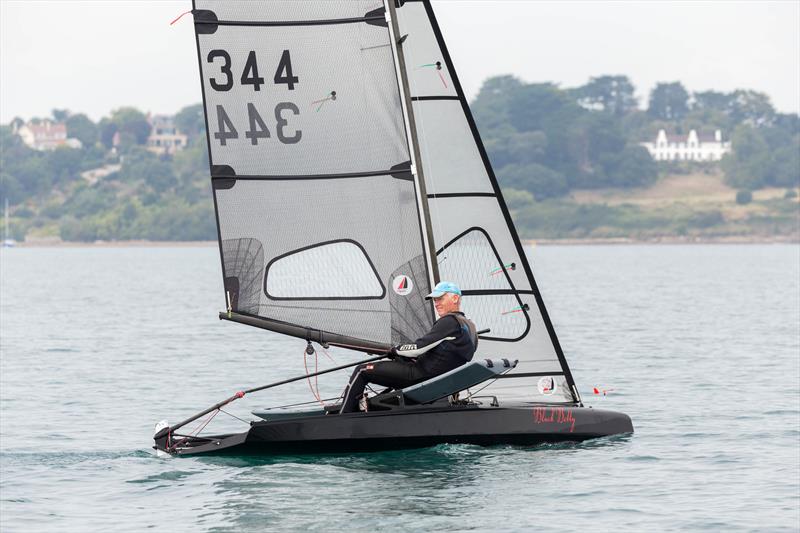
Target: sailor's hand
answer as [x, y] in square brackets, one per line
[392, 353]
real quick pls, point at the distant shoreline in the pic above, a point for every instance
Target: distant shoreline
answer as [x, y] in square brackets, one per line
[732, 239]
[114, 244]
[673, 239]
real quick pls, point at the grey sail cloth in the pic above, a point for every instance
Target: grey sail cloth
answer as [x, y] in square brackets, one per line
[316, 206]
[475, 239]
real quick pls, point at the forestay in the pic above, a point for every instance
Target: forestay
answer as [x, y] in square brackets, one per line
[317, 208]
[476, 242]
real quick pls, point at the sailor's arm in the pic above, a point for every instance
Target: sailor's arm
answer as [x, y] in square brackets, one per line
[443, 330]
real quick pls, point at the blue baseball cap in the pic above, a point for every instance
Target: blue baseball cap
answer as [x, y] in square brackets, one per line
[443, 287]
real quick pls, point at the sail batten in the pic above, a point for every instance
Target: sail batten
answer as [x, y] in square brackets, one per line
[351, 20]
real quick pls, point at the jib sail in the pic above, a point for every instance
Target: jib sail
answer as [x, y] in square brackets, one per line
[476, 243]
[318, 211]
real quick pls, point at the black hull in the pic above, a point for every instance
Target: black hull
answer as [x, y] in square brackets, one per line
[414, 427]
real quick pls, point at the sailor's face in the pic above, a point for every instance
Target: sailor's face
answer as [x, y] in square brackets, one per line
[446, 303]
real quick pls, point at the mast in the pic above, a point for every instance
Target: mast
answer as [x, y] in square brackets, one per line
[413, 142]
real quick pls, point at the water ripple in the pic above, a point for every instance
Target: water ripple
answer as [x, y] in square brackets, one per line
[678, 332]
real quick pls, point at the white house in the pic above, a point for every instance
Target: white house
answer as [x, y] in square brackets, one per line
[692, 147]
[164, 136]
[46, 135]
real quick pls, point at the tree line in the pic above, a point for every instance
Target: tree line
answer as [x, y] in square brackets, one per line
[151, 196]
[545, 141]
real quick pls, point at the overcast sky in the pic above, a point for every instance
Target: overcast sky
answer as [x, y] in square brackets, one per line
[95, 56]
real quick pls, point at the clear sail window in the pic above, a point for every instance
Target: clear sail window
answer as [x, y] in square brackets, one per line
[472, 262]
[333, 270]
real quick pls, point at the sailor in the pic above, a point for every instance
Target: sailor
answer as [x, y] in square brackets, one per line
[450, 343]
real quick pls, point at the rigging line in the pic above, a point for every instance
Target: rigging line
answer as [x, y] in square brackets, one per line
[180, 17]
[234, 416]
[201, 424]
[240, 394]
[207, 422]
[196, 431]
[314, 393]
[471, 394]
[308, 377]
[327, 354]
[301, 403]
[316, 378]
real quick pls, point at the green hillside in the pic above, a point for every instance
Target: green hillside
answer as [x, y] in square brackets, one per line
[695, 206]
[569, 161]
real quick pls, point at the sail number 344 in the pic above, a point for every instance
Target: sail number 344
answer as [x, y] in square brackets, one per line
[257, 126]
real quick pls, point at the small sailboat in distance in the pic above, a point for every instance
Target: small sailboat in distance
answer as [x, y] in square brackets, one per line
[7, 241]
[349, 178]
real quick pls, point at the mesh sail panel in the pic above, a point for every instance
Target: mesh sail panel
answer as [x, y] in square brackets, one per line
[476, 242]
[244, 269]
[473, 261]
[347, 239]
[485, 271]
[428, 72]
[316, 207]
[459, 169]
[411, 313]
[503, 314]
[452, 216]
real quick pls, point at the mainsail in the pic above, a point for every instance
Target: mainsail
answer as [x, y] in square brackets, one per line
[476, 242]
[346, 170]
[317, 208]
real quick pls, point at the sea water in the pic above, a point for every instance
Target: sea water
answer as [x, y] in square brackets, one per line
[699, 344]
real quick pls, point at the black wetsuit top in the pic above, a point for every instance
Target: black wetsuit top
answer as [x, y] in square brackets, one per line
[451, 353]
